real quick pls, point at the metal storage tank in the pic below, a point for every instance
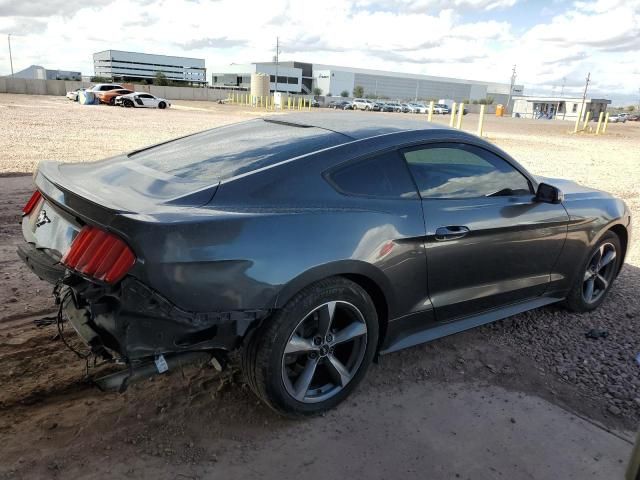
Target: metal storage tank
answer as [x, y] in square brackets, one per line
[259, 85]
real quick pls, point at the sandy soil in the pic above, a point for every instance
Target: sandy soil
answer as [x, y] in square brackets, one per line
[196, 423]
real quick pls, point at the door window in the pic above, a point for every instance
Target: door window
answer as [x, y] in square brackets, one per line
[455, 171]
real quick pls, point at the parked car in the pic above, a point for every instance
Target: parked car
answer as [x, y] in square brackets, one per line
[617, 118]
[73, 94]
[142, 100]
[406, 108]
[395, 106]
[105, 87]
[633, 118]
[109, 96]
[364, 104]
[419, 108]
[441, 109]
[387, 107]
[315, 103]
[411, 233]
[340, 105]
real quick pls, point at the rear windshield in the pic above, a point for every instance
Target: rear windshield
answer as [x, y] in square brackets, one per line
[225, 152]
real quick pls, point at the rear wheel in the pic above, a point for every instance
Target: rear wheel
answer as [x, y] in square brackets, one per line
[310, 355]
[596, 276]
[112, 101]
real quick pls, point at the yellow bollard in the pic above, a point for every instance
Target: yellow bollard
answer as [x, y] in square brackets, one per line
[309, 104]
[453, 115]
[288, 103]
[575, 129]
[586, 121]
[460, 115]
[599, 123]
[481, 120]
[606, 122]
[431, 107]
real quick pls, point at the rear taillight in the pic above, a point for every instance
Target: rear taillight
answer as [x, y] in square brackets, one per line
[33, 201]
[99, 254]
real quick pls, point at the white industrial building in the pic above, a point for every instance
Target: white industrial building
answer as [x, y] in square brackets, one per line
[300, 77]
[135, 67]
[558, 108]
[238, 76]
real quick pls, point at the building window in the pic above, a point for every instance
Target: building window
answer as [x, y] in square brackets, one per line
[575, 108]
[272, 78]
[292, 80]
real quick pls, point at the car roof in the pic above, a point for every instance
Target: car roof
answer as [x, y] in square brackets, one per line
[355, 125]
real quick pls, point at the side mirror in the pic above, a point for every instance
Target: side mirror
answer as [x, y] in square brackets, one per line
[549, 194]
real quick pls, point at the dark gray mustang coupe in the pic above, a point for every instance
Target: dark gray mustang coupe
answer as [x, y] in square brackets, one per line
[312, 242]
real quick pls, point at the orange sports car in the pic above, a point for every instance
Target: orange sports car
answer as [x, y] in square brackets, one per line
[109, 96]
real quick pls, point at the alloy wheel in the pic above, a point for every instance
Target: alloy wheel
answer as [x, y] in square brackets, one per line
[324, 352]
[599, 273]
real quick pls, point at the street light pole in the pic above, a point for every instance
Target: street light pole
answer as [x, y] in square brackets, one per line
[277, 53]
[513, 80]
[10, 57]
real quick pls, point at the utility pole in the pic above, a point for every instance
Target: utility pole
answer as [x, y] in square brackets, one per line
[10, 57]
[564, 80]
[417, 84]
[277, 59]
[584, 95]
[513, 80]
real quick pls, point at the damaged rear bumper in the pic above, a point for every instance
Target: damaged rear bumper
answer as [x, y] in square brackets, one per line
[138, 323]
[131, 319]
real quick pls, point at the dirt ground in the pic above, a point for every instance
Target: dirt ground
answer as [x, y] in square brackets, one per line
[196, 423]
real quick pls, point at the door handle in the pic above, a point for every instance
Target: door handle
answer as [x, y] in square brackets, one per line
[451, 232]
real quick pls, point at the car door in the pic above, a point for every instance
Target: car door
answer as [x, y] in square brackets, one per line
[148, 100]
[489, 243]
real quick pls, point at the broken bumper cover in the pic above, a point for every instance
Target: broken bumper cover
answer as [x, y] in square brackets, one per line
[137, 322]
[133, 320]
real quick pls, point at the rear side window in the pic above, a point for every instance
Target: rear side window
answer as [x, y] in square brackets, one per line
[225, 152]
[384, 175]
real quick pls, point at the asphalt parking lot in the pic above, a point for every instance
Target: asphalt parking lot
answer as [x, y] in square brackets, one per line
[527, 397]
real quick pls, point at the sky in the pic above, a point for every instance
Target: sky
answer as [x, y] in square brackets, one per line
[552, 43]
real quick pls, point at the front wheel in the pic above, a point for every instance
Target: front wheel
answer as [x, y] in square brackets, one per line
[596, 276]
[311, 354]
[162, 105]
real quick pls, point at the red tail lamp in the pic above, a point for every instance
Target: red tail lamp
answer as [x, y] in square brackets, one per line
[100, 255]
[33, 201]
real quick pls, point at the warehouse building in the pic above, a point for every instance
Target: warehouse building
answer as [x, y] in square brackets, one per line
[333, 80]
[36, 72]
[558, 108]
[139, 67]
[238, 77]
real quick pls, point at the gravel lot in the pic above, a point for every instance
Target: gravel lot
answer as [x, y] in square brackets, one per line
[45, 402]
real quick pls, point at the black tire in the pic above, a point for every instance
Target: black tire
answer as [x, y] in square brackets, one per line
[112, 101]
[590, 271]
[266, 365]
[127, 103]
[162, 105]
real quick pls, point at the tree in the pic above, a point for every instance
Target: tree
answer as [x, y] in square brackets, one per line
[358, 91]
[99, 79]
[490, 100]
[344, 94]
[631, 108]
[317, 91]
[161, 79]
[329, 94]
